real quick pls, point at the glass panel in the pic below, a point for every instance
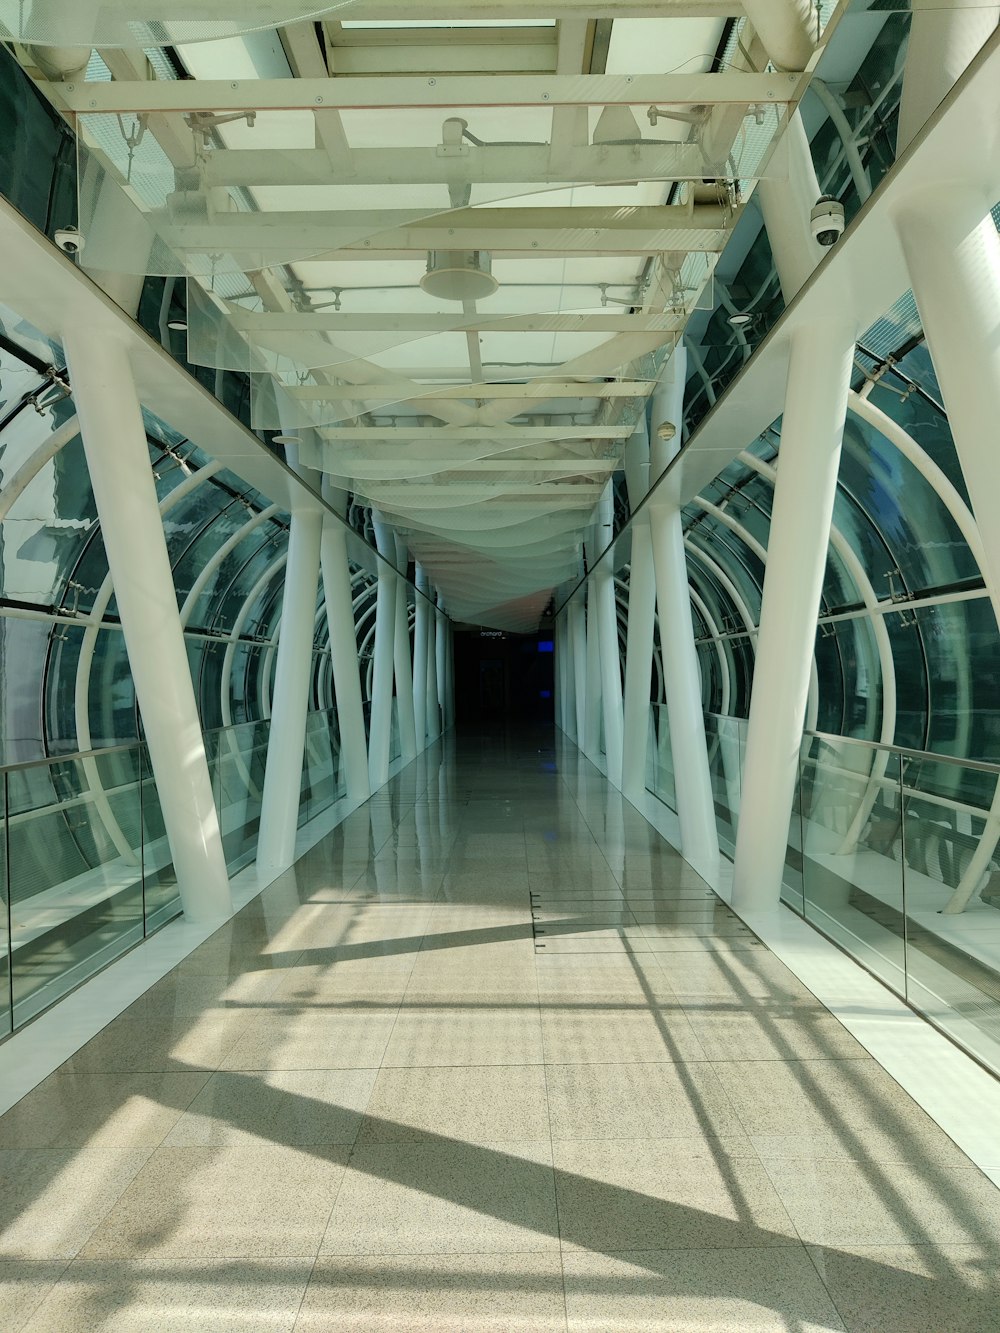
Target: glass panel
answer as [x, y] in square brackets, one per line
[663, 768]
[162, 898]
[953, 900]
[724, 738]
[6, 1017]
[320, 767]
[75, 857]
[852, 841]
[236, 758]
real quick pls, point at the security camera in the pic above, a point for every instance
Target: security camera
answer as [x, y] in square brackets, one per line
[70, 240]
[827, 219]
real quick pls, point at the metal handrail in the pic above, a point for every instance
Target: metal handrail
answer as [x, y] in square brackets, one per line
[980, 765]
[48, 760]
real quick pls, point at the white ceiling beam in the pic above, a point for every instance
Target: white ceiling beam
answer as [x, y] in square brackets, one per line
[541, 389]
[324, 321]
[506, 433]
[542, 90]
[531, 165]
[572, 467]
[305, 238]
[412, 11]
[448, 58]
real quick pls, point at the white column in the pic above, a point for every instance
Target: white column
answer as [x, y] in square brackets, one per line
[339, 599]
[786, 201]
[422, 609]
[592, 708]
[449, 669]
[953, 255]
[380, 727]
[114, 441]
[402, 665]
[292, 676]
[441, 662]
[681, 670]
[607, 627]
[812, 430]
[578, 650]
[433, 702]
[641, 617]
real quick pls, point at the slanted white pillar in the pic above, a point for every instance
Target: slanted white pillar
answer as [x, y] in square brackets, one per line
[786, 200]
[592, 709]
[607, 628]
[380, 726]
[641, 616]
[819, 371]
[952, 253]
[449, 667]
[338, 595]
[441, 662]
[114, 441]
[681, 671]
[403, 668]
[422, 615]
[578, 652]
[292, 677]
[433, 702]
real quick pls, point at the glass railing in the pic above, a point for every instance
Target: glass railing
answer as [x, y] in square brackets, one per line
[893, 854]
[87, 872]
[898, 852]
[85, 865]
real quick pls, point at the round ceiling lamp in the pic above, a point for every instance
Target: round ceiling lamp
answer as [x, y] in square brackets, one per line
[459, 275]
[666, 430]
[740, 319]
[286, 439]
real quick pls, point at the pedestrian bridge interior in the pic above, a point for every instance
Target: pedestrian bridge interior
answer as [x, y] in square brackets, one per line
[500, 819]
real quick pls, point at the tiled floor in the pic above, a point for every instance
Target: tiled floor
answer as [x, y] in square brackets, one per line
[448, 1074]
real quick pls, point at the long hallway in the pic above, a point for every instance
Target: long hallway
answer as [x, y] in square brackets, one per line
[491, 1057]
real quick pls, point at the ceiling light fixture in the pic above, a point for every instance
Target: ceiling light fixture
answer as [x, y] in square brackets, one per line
[459, 275]
[666, 430]
[740, 319]
[286, 439]
[177, 325]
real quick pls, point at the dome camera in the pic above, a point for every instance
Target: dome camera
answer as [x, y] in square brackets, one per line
[826, 221]
[69, 240]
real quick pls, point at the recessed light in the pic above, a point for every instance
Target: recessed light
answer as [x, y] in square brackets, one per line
[286, 439]
[178, 325]
[739, 318]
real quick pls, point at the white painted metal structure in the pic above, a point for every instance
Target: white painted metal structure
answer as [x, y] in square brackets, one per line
[574, 173]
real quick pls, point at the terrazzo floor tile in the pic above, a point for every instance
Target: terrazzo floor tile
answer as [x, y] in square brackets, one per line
[776, 1034]
[52, 1199]
[100, 1110]
[627, 1033]
[491, 1016]
[844, 1108]
[234, 1201]
[142, 1043]
[692, 1291]
[912, 1288]
[468, 1104]
[454, 1034]
[25, 1283]
[453, 1293]
[636, 1101]
[338, 1034]
[853, 1203]
[686, 1193]
[152, 1295]
[455, 1198]
[295, 1108]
